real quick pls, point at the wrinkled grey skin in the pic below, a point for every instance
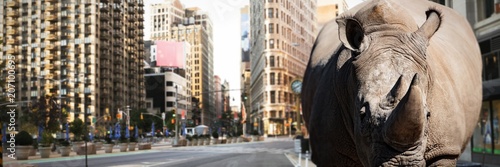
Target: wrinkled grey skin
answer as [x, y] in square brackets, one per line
[392, 83]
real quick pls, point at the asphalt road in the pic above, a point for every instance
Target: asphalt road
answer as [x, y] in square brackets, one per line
[255, 154]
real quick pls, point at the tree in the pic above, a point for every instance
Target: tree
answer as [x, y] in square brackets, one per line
[78, 128]
[46, 113]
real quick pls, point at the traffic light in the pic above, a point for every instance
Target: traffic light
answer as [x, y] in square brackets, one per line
[119, 116]
[173, 121]
[173, 113]
[142, 117]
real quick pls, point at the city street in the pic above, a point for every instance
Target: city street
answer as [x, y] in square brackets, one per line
[253, 154]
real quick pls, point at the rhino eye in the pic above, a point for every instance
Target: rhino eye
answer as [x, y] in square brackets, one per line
[389, 103]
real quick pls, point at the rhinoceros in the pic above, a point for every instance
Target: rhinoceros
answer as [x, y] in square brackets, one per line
[392, 83]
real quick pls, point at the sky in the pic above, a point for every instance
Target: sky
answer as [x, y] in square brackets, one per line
[225, 15]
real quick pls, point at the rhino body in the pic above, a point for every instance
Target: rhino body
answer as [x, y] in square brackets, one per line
[392, 83]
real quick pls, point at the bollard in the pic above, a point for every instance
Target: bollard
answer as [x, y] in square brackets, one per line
[300, 158]
[307, 158]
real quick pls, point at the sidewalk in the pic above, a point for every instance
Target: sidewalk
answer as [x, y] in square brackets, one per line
[305, 160]
[8, 162]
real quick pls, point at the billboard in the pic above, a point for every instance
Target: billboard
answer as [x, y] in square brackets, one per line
[171, 54]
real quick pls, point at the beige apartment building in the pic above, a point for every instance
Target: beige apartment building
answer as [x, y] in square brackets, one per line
[327, 10]
[196, 29]
[163, 16]
[283, 33]
[90, 52]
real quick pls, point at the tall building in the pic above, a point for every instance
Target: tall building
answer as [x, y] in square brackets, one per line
[219, 106]
[89, 52]
[245, 59]
[328, 10]
[282, 37]
[162, 87]
[196, 29]
[163, 16]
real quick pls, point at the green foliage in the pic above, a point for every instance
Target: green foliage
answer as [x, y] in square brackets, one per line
[123, 139]
[215, 135]
[133, 139]
[29, 127]
[77, 127]
[23, 138]
[108, 140]
[64, 143]
[47, 138]
[45, 112]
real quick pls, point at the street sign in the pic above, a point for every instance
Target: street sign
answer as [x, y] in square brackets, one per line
[94, 120]
[163, 116]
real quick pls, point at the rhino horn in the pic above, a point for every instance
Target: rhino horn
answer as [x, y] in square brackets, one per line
[405, 125]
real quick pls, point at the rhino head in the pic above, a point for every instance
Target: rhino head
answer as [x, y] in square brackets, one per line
[390, 82]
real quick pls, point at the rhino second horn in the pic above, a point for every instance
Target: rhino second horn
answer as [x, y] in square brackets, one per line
[405, 126]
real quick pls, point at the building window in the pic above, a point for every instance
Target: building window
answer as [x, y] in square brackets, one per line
[170, 83]
[279, 96]
[271, 77]
[270, 13]
[170, 104]
[279, 78]
[170, 94]
[271, 44]
[273, 94]
[271, 61]
[271, 28]
[490, 62]
[484, 135]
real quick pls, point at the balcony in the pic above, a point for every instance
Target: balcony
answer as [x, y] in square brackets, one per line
[141, 3]
[117, 25]
[51, 47]
[51, 17]
[12, 23]
[105, 36]
[12, 42]
[12, 14]
[12, 51]
[51, 8]
[131, 11]
[49, 57]
[118, 52]
[141, 42]
[51, 27]
[141, 26]
[104, 9]
[117, 43]
[131, 19]
[131, 27]
[117, 1]
[51, 0]
[52, 37]
[117, 9]
[117, 35]
[66, 6]
[117, 16]
[49, 66]
[141, 33]
[13, 4]
[141, 11]
[104, 17]
[12, 32]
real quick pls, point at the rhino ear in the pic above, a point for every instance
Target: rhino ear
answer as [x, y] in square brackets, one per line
[351, 33]
[431, 25]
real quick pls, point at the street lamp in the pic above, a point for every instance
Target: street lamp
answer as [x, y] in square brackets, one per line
[176, 139]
